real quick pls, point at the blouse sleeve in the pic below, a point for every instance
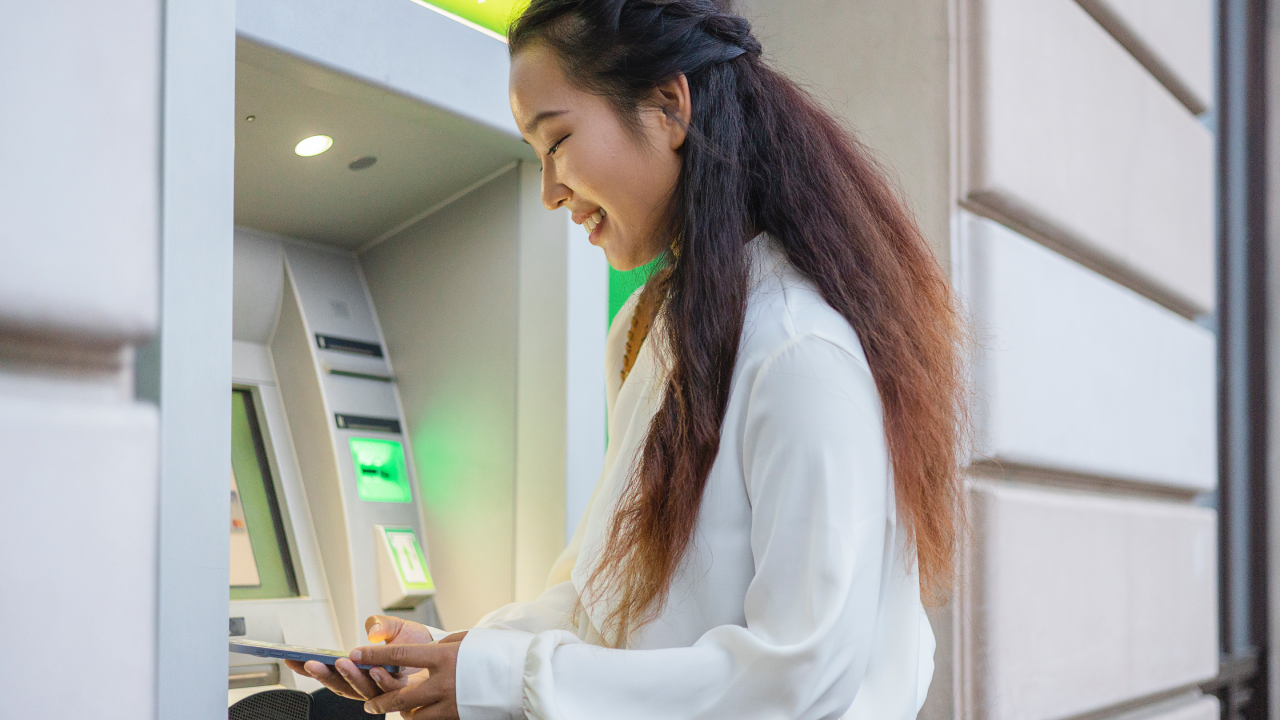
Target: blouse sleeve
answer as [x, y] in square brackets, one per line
[816, 471]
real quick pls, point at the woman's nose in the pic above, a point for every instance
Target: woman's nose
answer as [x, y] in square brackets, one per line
[554, 193]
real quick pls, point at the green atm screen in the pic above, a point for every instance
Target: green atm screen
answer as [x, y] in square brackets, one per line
[381, 475]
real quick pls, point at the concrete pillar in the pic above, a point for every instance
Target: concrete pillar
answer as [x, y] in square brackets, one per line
[79, 237]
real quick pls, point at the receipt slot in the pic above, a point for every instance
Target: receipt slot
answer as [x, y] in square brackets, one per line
[403, 579]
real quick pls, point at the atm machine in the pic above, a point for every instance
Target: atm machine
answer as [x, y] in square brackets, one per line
[313, 396]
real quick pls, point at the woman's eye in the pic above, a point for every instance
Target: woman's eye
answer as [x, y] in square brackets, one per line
[552, 150]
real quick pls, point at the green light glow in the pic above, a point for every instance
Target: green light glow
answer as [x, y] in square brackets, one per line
[623, 284]
[381, 474]
[493, 15]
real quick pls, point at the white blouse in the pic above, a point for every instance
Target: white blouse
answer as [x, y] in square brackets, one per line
[796, 598]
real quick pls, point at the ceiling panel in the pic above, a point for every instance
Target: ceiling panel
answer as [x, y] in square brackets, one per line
[424, 155]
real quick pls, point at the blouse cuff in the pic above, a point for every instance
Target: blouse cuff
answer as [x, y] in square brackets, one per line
[490, 674]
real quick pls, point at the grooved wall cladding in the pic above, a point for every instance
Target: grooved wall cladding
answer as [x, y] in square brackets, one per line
[89, 472]
[1078, 374]
[1178, 35]
[79, 198]
[1123, 602]
[1070, 136]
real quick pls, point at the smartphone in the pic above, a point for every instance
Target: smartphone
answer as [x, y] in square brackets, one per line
[295, 652]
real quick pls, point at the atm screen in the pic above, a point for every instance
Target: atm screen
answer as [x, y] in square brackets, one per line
[260, 560]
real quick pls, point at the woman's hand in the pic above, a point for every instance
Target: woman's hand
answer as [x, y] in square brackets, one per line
[428, 695]
[350, 681]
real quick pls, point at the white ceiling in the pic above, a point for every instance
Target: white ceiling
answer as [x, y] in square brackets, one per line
[425, 155]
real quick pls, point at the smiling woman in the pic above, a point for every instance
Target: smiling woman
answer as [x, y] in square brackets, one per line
[780, 493]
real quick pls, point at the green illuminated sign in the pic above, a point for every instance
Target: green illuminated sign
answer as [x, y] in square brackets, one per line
[493, 15]
[381, 474]
[410, 563]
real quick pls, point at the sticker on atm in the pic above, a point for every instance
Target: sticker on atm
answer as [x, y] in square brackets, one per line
[410, 563]
[381, 473]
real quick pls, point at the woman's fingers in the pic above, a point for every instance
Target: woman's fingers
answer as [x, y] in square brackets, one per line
[414, 655]
[419, 695]
[357, 679]
[326, 676]
[432, 697]
[388, 682]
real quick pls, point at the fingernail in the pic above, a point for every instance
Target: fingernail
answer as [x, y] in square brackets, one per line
[368, 707]
[355, 656]
[374, 630]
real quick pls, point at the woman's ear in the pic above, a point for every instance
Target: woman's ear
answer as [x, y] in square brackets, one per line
[677, 109]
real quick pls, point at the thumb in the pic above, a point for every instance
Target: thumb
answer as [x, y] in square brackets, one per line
[383, 628]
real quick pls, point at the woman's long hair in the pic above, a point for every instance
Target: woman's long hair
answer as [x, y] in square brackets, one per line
[761, 155]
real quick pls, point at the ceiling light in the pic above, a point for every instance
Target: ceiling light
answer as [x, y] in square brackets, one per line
[314, 145]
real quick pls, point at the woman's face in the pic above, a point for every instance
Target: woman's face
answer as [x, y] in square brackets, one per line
[615, 181]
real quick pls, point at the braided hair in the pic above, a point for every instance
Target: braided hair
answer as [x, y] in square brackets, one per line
[760, 156]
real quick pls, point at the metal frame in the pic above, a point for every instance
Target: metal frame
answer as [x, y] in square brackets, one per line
[1242, 684]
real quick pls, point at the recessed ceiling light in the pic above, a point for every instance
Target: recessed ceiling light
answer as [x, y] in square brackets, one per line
[314, 145]
[362, 163]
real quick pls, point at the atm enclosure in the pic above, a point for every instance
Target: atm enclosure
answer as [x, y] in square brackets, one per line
[418, 355]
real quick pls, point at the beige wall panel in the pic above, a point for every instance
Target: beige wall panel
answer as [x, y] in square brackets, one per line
[884, 68]
[1072, 138]
[79, 191]
[82, 579]
[542, 384]
[1078, 374]
[1084, 601]
[1172, 38]
[445, 292]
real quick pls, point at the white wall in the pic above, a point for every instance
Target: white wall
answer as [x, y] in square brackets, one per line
[1172, 38]
[195, 357]
[1090, 588]
[1067, 136]
[1081, 601]
[1079, 374]
[79, 237]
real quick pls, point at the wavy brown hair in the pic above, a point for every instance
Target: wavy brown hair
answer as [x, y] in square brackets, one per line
[761, 155]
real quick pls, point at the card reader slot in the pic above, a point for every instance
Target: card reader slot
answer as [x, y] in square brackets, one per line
[368, 424]
[357, 347]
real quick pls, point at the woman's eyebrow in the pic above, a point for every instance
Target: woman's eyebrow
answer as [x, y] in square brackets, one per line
[537, 119]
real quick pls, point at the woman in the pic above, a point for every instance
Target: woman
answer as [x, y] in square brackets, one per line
[747, 552]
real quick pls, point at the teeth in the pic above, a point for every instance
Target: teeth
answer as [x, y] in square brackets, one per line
[594, 220]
